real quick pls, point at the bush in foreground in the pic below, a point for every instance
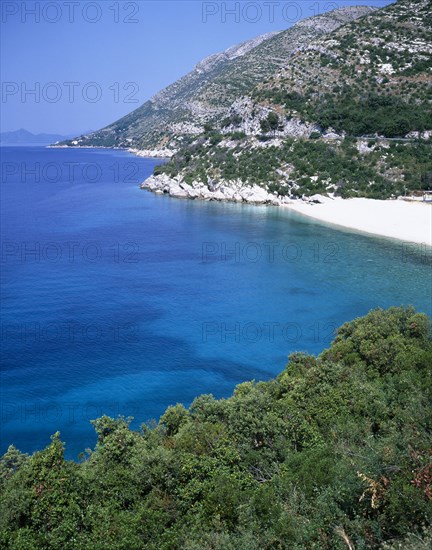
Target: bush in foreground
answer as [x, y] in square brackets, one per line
[333, 453]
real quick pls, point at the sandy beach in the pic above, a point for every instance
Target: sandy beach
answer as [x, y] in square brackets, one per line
[398, 219]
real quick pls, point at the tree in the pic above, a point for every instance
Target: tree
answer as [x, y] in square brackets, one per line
[11, 462]
[270, 123]
[336, 448]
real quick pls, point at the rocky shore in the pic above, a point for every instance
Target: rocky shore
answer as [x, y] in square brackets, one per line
[234, 192]
[397, 219]
[153, 153]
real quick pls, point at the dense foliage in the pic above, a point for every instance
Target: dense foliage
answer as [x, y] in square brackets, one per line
[307, 166]
[356, 113]
[333, 453]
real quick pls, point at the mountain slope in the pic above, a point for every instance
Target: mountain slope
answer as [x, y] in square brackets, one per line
[371, 76]
[207, 92]
[350, 113]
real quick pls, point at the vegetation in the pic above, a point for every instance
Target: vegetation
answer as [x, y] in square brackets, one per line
[334, 453]
[370, 76]
[271, 123]
[307, 166]
[366, 78]
[356, 114]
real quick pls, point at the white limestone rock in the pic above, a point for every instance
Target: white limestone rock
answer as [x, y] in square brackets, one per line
[255, 195]
[177, 192]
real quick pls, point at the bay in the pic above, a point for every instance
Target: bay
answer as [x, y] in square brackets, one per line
[118, 301]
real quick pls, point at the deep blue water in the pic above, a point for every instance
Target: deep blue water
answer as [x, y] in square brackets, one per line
[118, 301]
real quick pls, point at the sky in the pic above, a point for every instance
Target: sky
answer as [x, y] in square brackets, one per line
[71, 66]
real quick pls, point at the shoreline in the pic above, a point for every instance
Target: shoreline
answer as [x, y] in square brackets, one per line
[161, 154]
[395, 219]
[409, 221]
[392, 218]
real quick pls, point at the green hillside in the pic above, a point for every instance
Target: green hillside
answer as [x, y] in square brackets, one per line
[373, 75]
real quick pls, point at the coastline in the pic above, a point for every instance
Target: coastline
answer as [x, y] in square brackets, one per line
[162, 154]
[396, 219]
[409, 221]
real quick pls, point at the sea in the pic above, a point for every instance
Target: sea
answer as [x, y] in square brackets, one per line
[117, 301]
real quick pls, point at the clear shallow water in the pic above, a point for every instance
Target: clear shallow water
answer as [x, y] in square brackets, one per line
[118, 301]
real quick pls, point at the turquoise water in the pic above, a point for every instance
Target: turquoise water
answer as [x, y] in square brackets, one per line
[118, 301]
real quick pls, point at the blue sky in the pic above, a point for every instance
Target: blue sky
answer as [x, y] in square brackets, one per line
[72, 66]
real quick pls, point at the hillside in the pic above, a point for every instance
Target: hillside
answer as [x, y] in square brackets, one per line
[334, 453]
[278, 171]
[340, 104]
[370, 76]
[206, 93]
[348, 114]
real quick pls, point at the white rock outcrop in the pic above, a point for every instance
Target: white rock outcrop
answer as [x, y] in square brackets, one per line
[227, 191]
[247, 117]
[153, 153]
